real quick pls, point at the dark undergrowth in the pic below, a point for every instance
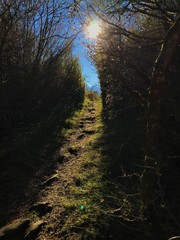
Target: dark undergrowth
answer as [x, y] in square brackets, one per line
[26, 154]
[123, 150]
[122, 144]
[104, 199]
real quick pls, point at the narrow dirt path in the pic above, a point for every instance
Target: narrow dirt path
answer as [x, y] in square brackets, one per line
[62, 209]
[67, 174]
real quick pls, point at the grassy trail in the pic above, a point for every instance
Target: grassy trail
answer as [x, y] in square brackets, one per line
[80, 199]
[75, 195]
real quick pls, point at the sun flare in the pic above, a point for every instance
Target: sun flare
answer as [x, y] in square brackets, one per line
[93, 29]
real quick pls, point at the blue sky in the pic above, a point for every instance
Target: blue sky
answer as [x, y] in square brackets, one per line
[89, 71]
[88, 68]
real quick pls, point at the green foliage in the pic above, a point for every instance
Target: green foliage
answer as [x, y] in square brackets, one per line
[41, 86]
[125, 55]
[37, 69]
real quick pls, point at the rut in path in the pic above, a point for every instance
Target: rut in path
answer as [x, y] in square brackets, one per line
[54, 215]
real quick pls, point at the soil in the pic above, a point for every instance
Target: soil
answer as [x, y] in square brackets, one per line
[46, 193]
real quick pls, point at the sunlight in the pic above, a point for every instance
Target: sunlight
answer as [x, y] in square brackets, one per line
[93, 29]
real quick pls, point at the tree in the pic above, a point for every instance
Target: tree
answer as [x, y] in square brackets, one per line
[32, 35]
[145, 30]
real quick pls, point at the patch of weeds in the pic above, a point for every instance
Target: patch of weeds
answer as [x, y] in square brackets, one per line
[87, 165]
[84, 204]
[72, 122]
[98, 206]
[78, 181]
[70, 206]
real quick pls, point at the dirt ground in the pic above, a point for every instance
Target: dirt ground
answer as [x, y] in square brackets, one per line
[50, 210]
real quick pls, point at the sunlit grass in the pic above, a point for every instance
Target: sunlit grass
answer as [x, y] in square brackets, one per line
[94, 199]
[83, 203]
[72, 122]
